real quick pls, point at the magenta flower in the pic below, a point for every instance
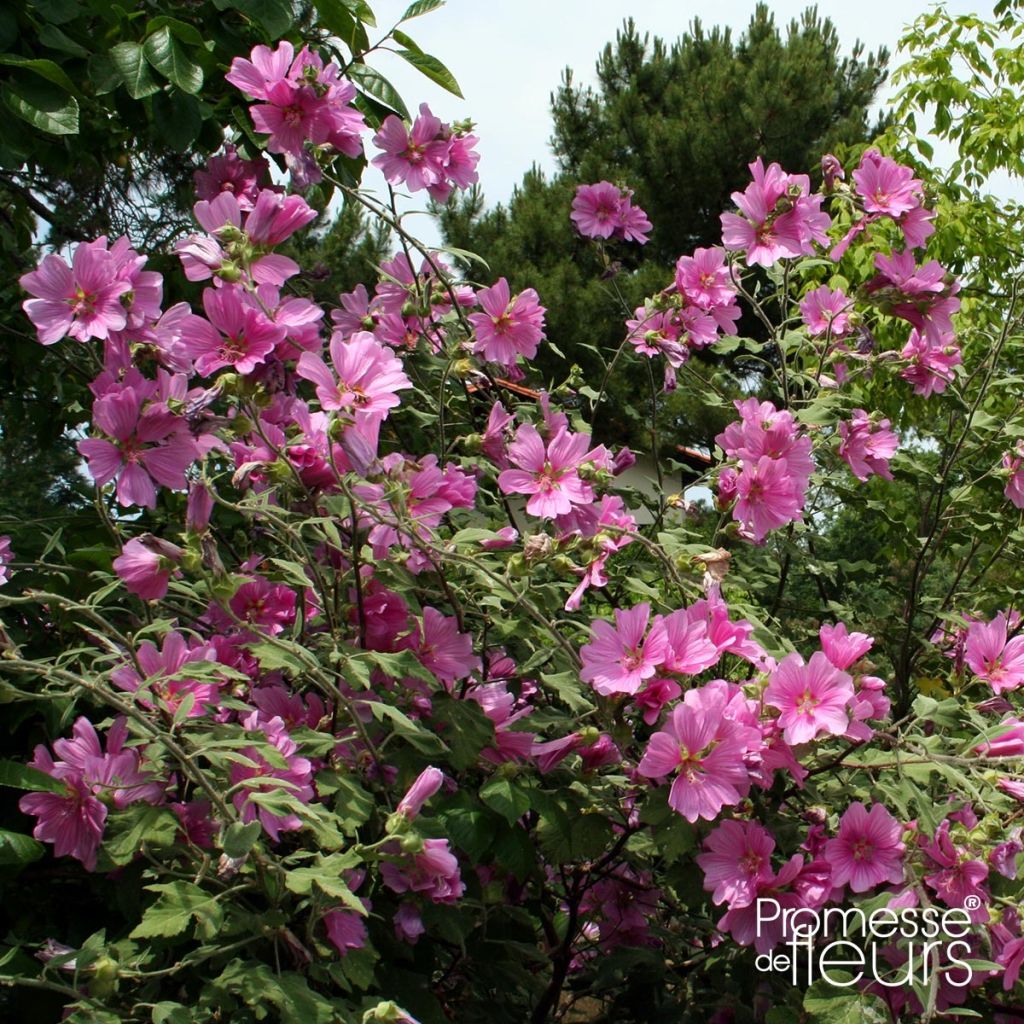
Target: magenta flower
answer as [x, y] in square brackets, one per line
[95, 779]
[842, 647]
[827, 312]
[427, 783]
[930, 367]
[433, 872]
[83, 300]
[703, 279]
[346, 930]
[148, 445]
[1013, 465]
[885, 186]
[689, 649]
[237, 333]
[703, 745]
[369, 375]
[811, 697]
[230, 173]
[164, 683]
[737, 861]
[619, 658]
[145, 564]
[867, 851]
[416, 156]
[604, 210]
[549, 473]
[767, 497]
[266, 606]
[994, 659]
[6, 557]
[295, 778]
[507, 327]
[867, 447]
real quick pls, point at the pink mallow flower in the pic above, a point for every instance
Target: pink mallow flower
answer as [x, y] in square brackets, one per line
[165, 681]
[620, 658]
[811, 697]
[146, 445]
[295, 779]
[866, 446]
[992, 658]
[703, 744]
[604, 210]
[738, 858]
[84, 300]
[145, 564]
[868, 850]
[1013, 466]
[228, 172]
[548, 472]
[826, 312]
[508, 327]
[369, 377]
[95, 780]
[433, 872]
[6, 557]
[427, 783]
[885, 186]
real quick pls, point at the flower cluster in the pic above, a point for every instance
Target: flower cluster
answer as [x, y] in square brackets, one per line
[605, 210]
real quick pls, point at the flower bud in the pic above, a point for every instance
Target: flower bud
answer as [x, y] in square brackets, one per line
[425, 786]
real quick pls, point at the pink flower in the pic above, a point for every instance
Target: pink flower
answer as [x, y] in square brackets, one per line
[238, 334]
[145, 564]
[619, 658]
[885, 186]
[842, 647]
[703, 279]
[811, 697]
[766, 497]
[427, 783]
[346, 930]
[867, 851]
[6, 557]
[146, 444]
[689, 649]
[230, 173]
[369, 376]
[441, 648]
[433, 872]
[867, 447]
[703, 744]
[930, 366]
[1013, 464]
[269, 607]
[549, 473]
[737, 861]
[825, 311]
[993, 658]
[507, 327]
[296, 776]
[74, 820]
[605, 211]
[959, 878]
[164, 678]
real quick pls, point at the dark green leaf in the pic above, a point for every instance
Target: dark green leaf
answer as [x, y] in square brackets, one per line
[45, 68]
[23, 776]
[376, 85]
[433, 69]
[176, 904]
[131, 64]
[239, 839]
[179, 117]
[17, 849]
[44, 106]
[164, 52]
[186, 33]
[508, 799]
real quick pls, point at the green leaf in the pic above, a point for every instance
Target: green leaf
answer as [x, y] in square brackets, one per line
[828, 1004]
[24, 776]
[421, 7]
[171, 1013]
[275, 16]
[503, 796]
[44, 106]
[54, 38]
[18, 850]
[175, 906]
[44, 68]
[433, 69]
[326, 876]
[340, 20]
[137, 826]
[164, 52]
[376, 85]
[415, 735]
[186, 33]
[239, 839]
[131, 64]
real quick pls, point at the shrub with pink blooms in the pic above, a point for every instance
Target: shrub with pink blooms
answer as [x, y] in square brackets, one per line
[396, 691]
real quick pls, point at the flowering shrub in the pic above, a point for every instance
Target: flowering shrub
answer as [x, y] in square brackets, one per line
[394, 699]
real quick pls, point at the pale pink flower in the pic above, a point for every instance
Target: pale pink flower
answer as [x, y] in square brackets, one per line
[83, 300]
[826, 312]
[619, 658]
[994, 659]
[811, 697]
[369, 377]
[737, 860]
[867, 851]
[703, 279]
[145, 564]
[866, 446]
[885, 186]
[508, 327]
[842, 647]
[548, 472]
[766, 497]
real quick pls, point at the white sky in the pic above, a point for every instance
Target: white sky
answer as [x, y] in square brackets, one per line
[508, 55]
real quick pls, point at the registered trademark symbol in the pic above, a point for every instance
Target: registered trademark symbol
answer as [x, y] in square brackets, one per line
[972, 902]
